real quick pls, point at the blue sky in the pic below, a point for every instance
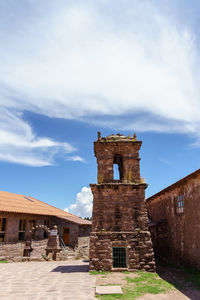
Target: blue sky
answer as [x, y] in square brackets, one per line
[72, 68]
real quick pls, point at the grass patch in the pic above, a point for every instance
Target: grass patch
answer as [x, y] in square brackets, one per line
[143, 283]
[3, 261]
[126, 272]
[111, 297]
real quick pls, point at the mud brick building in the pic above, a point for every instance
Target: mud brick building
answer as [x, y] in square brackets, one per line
[20, 214]
[120, 239]
[175, 220]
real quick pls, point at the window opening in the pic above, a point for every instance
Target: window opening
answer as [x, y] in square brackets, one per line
[2, 229]
[116, 172]
[117, 168]
[180, 204]
[22, 229]
[31, 225]
[119, 257]
[46, 224]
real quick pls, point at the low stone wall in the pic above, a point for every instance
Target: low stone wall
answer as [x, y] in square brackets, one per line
[9, 251]
[15, 251]
[82, 250]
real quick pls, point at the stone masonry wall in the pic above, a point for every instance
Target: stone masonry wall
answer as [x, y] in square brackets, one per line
[82, 250]
[159, 237]
[8, 251]
[183, 228]
[105, 152]
[120, 220]
[12, 226]
[73, 230]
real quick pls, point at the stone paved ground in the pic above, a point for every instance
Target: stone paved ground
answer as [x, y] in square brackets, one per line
[68, 280]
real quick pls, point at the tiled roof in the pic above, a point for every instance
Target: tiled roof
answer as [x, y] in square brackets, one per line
[15, 203]
[174, 185]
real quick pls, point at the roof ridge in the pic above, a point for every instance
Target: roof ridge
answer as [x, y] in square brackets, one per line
[195, 173]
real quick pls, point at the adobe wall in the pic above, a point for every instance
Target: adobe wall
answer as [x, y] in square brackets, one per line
[120, 220]
[12, 226]
[84, 230]
[73, 230]
[159, 237]
[183, 229]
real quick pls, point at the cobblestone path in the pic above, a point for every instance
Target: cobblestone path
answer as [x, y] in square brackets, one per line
[46, 280]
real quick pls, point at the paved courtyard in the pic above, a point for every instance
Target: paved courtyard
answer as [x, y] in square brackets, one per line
[46, 280]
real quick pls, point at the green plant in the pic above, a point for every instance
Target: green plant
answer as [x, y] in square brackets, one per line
[3, 261]
[44, 256]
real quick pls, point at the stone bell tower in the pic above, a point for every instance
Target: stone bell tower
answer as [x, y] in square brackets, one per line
[120, 238]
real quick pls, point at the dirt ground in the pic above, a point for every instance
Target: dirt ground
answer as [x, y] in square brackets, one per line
[183, 289]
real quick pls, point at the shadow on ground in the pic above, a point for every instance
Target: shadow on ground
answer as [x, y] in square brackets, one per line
[71, 269]
[183, 279]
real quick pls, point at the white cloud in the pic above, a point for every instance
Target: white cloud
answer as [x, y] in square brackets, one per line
[83, 205]
[76, 158]
[131, 70]
[18, 143]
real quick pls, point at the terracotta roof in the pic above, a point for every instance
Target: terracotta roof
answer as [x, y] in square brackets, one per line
[15, 203]
[174, 185]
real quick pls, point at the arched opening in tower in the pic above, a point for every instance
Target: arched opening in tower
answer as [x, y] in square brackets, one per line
[117, 167]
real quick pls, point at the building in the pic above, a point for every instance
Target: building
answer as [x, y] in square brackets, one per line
[120, 239]
[175, 220]
[24, 217]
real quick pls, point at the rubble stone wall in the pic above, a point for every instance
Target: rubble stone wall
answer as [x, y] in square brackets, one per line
[83, 247]
[120, 220]
[11, 251]
[8, 251]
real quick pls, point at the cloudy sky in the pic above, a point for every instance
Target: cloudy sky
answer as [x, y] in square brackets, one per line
[71, 68]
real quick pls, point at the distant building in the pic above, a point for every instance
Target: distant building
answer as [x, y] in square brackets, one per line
[120, 239]
[175, 220]
[24, 217]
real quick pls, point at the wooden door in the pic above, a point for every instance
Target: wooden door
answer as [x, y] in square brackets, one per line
[66, 235]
